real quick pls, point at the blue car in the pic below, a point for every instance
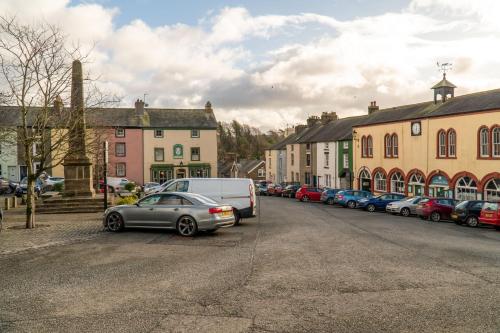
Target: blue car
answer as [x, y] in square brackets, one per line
[379, 202]
[328, 195]
[349, 198]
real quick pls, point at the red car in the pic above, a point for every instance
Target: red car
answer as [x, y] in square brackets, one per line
[308, 194]
[435, 209]
[274, 189]
[490, 214]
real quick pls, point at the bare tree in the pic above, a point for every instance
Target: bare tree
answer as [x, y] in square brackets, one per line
[35, 74]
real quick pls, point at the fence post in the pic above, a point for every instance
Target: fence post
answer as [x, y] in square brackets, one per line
[14, 202]
[7, 203]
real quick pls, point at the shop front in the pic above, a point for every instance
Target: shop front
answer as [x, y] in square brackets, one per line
[439, 187]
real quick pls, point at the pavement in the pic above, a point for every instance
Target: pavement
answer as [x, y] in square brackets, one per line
[300, 267]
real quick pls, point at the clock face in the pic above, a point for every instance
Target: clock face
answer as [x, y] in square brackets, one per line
[415, 128]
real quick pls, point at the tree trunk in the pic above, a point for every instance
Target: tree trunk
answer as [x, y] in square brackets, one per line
[30, 204]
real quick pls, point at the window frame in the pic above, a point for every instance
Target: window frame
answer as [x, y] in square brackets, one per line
[451, 145]
[379, 180]
[387, 146]
[483, 145]
[197, 131]
[163, 154]
[120, 144]
[441, 144]
[117, 129]
[199, 154]
[162, 135]
[495, 142]
[124, 169]
[395, 145]
[369, 146]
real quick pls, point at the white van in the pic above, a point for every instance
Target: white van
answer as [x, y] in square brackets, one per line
[237, 192]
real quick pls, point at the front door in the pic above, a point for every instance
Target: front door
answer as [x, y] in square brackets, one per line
[181, 173]
[12, 173]
[366, 184]
[143, 215]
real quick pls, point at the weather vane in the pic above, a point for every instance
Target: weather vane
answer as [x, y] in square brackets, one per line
[445, 67]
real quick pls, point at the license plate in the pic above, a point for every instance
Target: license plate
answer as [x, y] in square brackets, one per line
[488, 215]
[454, 216]
[227, 214]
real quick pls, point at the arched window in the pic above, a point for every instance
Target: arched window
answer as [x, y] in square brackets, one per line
[397, 183]
[369, 144]
[380, 182]
[364, 174]
[388, 145]
[395, 147]
[484, 142]
[452, 143]
[416, 184]
[466, 189]
[442, 143]
[363, 146]
[492, 190]
[495, 142]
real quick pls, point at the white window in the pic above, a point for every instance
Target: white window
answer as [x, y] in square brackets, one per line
[261, 172]
[120, 132]
[346, 160]
[395, 146]
[442, 144]
[466, 189]
[484, 142]
[346, 145]
[492, 190]
[495, 139]
[452, 143]
[158, 133]
[195, 154]
[120, 149]
[327, 159]
[159, 154]
[369, 143]
[195, 133]
[308, 159]
[397, 183]
[121, 170]
[380, 182]
[388, 146]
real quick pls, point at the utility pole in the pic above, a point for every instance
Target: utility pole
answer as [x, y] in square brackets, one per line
[105, 167]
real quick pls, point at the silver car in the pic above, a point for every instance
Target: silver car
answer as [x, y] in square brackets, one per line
[188, 213]
[405, 207]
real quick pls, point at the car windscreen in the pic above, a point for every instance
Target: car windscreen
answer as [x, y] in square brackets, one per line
[462, 205]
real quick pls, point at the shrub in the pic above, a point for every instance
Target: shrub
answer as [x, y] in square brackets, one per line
[130, 200]
[58, 187]
[130, 187]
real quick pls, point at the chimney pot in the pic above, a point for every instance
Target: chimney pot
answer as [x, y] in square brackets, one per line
[139, 107]
[373, 107]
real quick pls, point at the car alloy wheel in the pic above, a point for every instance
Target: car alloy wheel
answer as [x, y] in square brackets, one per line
[405, 212]
[351, 204]
[435, 217]
[114, 222]
[371, 208]
[330, 201]
[305, 198]
[472, 221]
[187, 227]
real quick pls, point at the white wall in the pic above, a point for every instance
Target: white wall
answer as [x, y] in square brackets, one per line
[326, 170]
[8, 155]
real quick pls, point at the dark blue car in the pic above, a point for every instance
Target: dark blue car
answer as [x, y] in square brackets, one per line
[328, 195]
[379, 202]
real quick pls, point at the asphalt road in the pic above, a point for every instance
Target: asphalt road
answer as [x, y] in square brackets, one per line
[302, 267]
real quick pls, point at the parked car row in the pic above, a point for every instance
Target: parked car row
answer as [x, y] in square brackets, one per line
[470, 212]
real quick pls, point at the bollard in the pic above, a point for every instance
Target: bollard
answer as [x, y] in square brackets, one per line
[14, 202]
[7, 203]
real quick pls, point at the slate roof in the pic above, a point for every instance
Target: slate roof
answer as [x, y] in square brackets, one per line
[337, 130]
[476, 102]
[248, 165]
[126, 117]
[282, 144]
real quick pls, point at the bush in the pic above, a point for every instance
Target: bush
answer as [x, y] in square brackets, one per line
[58, 187]
[130, 200]
[130, 187]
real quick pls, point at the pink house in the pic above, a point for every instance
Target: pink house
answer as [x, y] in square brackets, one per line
[126, 153]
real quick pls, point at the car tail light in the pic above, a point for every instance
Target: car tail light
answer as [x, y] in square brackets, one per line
[251, 196]
[215, 210]
[340, 196]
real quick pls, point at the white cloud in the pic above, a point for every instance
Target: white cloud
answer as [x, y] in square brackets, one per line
[334, 65]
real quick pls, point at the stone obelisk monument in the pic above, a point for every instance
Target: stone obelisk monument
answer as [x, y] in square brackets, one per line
[77, 165]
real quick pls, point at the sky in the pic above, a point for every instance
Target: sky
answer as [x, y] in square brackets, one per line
[271, 64]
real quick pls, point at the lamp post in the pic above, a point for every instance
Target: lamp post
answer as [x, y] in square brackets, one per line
[105, 169]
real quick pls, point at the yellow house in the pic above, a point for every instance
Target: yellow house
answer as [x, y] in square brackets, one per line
[449, 147]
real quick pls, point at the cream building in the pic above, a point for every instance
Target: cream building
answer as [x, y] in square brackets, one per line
[449, 147]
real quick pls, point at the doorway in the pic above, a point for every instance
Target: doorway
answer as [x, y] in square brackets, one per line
[181, 173]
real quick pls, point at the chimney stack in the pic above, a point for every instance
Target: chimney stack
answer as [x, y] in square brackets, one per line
[313, 120]
[327, 117]
[373, 107]
[208, 107]
[299, 128]
[139, 107]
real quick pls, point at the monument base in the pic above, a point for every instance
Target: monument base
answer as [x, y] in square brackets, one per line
[78, 178]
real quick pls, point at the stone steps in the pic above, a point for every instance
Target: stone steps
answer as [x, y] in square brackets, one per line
[61, 205]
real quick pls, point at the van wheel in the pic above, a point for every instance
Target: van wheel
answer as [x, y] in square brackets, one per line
[237, 217]
[472, 221]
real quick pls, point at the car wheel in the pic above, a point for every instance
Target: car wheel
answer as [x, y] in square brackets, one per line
[305, 198]
[351, 204]
[330, 201]
[370, 208]
[472, 221]
[114, 222]
[237, 216]
[435, 217]
[405, 211]
[186, 226]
